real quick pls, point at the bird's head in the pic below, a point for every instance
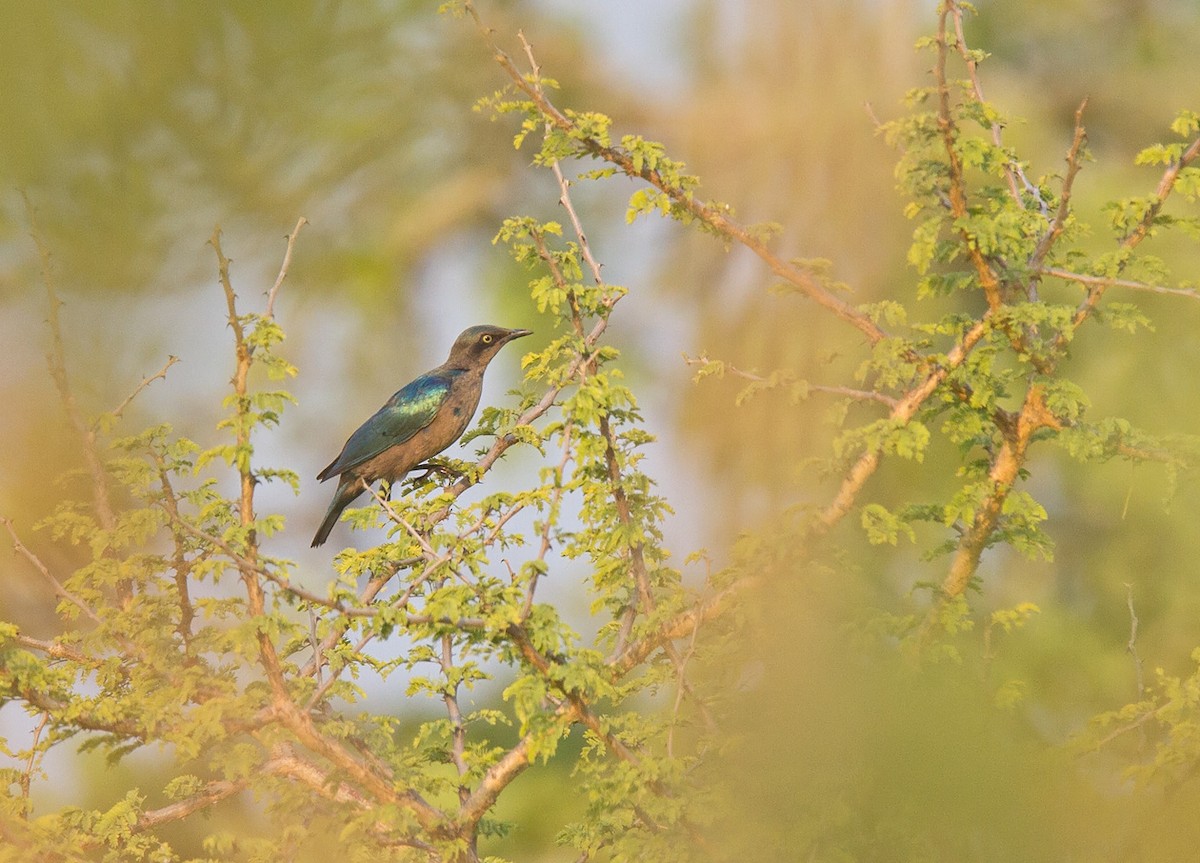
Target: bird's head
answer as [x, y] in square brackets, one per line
[475, 346]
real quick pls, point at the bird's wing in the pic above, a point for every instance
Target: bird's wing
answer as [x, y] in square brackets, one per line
[406, 413]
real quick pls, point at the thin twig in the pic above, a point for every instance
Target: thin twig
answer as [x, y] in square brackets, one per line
[1141, 230]
[1012, 169]
[31, 762]
[681, 690]
[59, 650]
[1131, 645]
[245, 564]
[318, 654]
[458, 730]
[1109, 281]
[179, 562]
[44, 571]
[56, 359]
[1074, 163]
[681, 625]
[1135, 725]
[318, 661]
[551, 515]
[904, 410]
[959, 206]
[585, 248]
[159, 375]
[848, 392]
[283, 269]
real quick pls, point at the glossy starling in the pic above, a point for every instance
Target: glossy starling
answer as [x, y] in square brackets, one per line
[418, 422]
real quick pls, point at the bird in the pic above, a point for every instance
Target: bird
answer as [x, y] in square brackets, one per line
[420, 420]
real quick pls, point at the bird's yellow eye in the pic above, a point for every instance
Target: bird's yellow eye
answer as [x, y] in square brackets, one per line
[487, 338]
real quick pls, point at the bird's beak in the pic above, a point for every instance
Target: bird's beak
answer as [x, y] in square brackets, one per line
[516, 334]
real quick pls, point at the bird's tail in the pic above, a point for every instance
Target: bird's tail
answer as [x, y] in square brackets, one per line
[347, 491]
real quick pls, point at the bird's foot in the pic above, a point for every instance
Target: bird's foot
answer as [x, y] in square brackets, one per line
[438, 467]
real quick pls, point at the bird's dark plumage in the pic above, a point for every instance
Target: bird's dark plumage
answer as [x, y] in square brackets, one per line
[418, 421]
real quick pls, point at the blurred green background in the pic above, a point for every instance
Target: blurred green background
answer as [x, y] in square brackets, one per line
[134, 127]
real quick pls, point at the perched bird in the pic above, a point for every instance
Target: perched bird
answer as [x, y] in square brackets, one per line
[418, 422]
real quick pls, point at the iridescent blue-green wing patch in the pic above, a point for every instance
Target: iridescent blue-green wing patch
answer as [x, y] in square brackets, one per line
[405, 414]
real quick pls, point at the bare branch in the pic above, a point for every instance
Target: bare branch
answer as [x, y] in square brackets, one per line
[85, 720]
[848, 392]
[1074, 163]
[159, 375]
[44, 571]
[458, 730]
[1003, 474]
[286, 764]
[101, 501]
[179, 560]
[31, 762]
[283, 269]
[1109, 282]
[1131, 645]
[383, 789]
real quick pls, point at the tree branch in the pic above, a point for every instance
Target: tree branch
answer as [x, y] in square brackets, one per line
[1142, 230]
[957, 189]
[161, 374]
[283, 269]
[681, 625]
[711, 216]
[1074, 163]
[904, 411]
[43, 570]
[1005, 470]
[1109, 282]
[1012, 170]
[56, 359]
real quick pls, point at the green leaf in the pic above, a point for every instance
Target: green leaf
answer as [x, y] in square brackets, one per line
[883, 526]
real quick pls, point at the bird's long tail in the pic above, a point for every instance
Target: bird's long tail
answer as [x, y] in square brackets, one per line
[347, 491]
